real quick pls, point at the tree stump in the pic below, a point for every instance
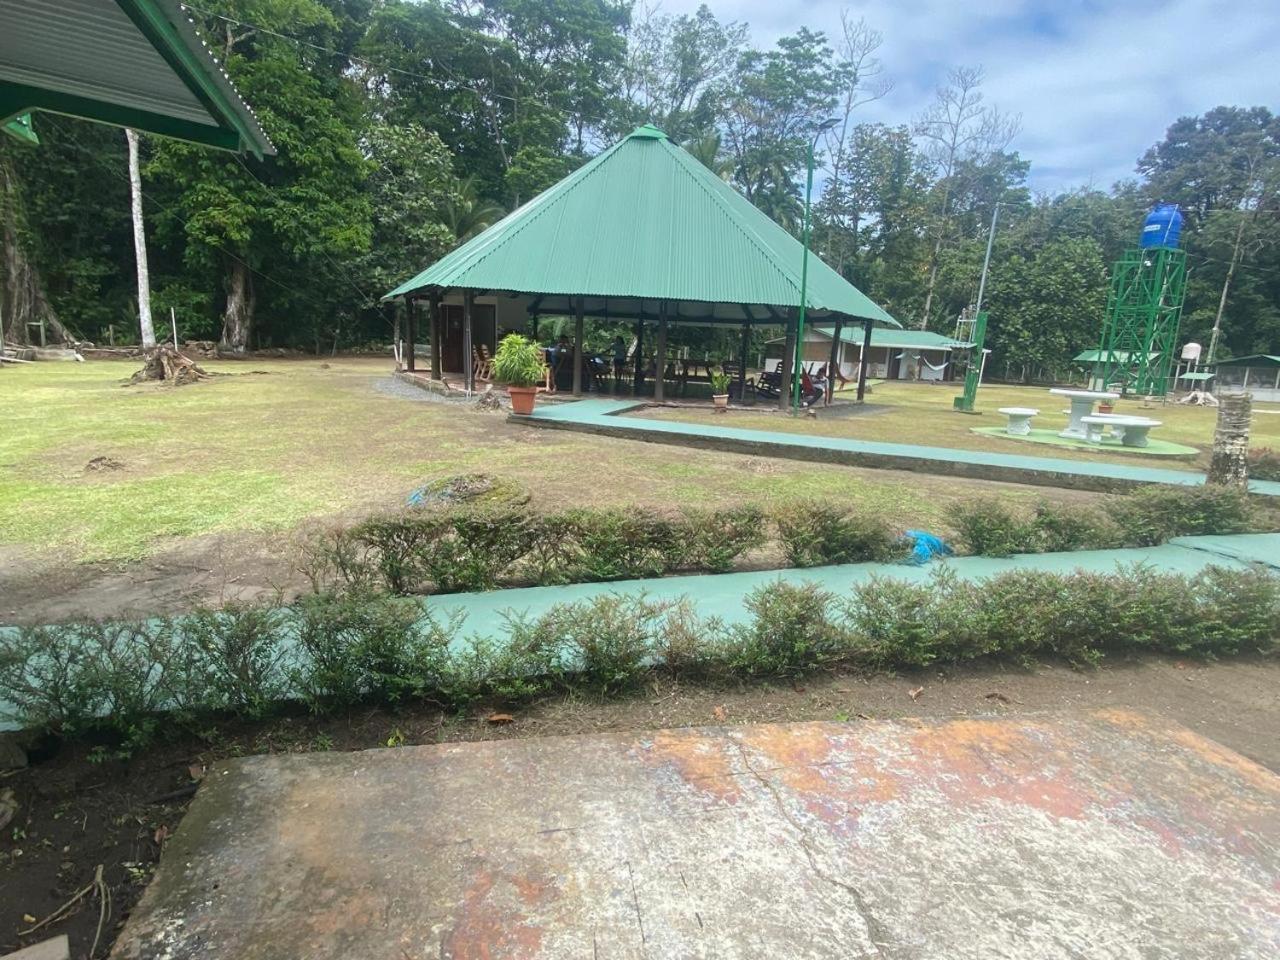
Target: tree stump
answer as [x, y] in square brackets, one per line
[166, 364]
[1230, 463]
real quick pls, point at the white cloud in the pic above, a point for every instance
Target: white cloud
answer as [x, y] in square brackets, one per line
[1096, 82]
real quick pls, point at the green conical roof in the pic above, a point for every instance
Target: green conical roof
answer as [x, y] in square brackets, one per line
[645, 221]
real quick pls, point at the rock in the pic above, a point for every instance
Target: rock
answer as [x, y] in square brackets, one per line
[59, 948]
[13, 754]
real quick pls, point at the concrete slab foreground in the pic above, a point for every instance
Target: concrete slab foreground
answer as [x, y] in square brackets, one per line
[1111, 835]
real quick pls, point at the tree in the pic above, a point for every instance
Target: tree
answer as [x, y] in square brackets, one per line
[306, 204]
[960, 135]
[779, 98]
[1222, 167]
[140, 243]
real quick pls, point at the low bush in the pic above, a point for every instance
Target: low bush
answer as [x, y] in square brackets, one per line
[815, 534]
[1264, 464]
[129, 681]
[359, 646]
[791, 630]
[1155, 514]
[1147, 517]
[714, 539]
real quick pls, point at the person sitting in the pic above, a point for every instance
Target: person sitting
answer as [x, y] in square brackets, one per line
[817, 388]
[619, 359]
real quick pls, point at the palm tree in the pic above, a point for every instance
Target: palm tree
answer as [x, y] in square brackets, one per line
[706, 150]
[466, 214]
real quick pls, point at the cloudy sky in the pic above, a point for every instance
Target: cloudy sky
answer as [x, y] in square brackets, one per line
[1096, 82]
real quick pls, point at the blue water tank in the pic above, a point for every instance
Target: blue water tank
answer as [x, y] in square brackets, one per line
[1163, 227]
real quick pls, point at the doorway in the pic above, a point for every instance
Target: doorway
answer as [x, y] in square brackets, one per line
[483, 331]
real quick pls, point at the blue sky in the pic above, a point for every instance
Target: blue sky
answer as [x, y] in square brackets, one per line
[1096, 83]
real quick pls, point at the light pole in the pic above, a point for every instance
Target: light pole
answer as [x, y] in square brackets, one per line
[798, 358]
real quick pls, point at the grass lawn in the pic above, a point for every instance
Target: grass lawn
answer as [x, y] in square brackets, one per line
[921, 413]
[276, 443]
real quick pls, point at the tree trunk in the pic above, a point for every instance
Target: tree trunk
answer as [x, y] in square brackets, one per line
[1230, 463]
[22, 296]
[933, 280]
[140, 243]
[237, 318]
[1226, 288]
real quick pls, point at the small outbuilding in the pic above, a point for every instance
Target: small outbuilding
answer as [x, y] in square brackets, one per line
[894, 354]
[1258, 374]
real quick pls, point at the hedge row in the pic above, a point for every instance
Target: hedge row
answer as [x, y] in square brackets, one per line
[131, 680]
[481, 548]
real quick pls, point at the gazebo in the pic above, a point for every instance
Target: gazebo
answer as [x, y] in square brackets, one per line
[642, 232]
[131, 63]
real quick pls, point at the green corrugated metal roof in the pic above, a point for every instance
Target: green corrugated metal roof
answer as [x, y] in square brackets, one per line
[1098, 356]
[644, 221]
[134, 63]
[883, 337]
[1253, 360]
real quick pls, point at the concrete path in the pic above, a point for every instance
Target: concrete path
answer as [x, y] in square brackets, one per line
[722, 595]
[1110, 835]
[601, 416]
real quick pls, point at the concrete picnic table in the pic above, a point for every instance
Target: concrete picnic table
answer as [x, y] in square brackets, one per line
[1130, 431]
[1082, 402]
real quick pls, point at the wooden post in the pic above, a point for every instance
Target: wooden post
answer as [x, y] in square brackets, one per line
[834, 360]
[397, 346]
[786, 369]
[411, 331]
[1230, 463]
[437, 335]
[742, 363]
[577, 348]
[864, 359]
[660, 351]
[468, 362]
[638, 379]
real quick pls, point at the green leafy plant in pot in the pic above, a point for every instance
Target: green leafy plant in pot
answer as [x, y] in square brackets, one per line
[720, 390]
[519, 364]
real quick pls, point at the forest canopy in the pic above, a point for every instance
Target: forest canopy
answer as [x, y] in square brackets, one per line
[404, 128]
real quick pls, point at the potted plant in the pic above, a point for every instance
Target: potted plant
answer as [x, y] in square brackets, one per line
[519, 364]
[720, 390]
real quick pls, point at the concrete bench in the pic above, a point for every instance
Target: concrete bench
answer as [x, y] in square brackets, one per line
[1019, 420]
[1130, 431]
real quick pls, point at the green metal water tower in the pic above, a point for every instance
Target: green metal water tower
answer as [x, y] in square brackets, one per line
[1144, 309]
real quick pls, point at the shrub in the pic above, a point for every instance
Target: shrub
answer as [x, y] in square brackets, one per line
[473, 548]
[1155, 514]
[397, 544]
[713, 539]
[606, 643]
[1264, 464]
[1057, 528]
[622, 545]
[241, 655]
[518, 361]
[792, 630]
[989, 528]
[359, 646]
[333, 556]
[814, 534]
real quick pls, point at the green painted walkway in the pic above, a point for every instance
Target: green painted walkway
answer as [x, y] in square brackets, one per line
[601, 416]
[722, 595]
[486, 615]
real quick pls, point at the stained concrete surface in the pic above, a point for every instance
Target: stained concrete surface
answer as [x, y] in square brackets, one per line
[1110, 835]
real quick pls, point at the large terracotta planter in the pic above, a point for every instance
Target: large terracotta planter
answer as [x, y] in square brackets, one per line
[721, 400]
[522, 399]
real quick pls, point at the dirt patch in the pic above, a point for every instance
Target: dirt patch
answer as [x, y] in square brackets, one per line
[74, 814]
[103, 465]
